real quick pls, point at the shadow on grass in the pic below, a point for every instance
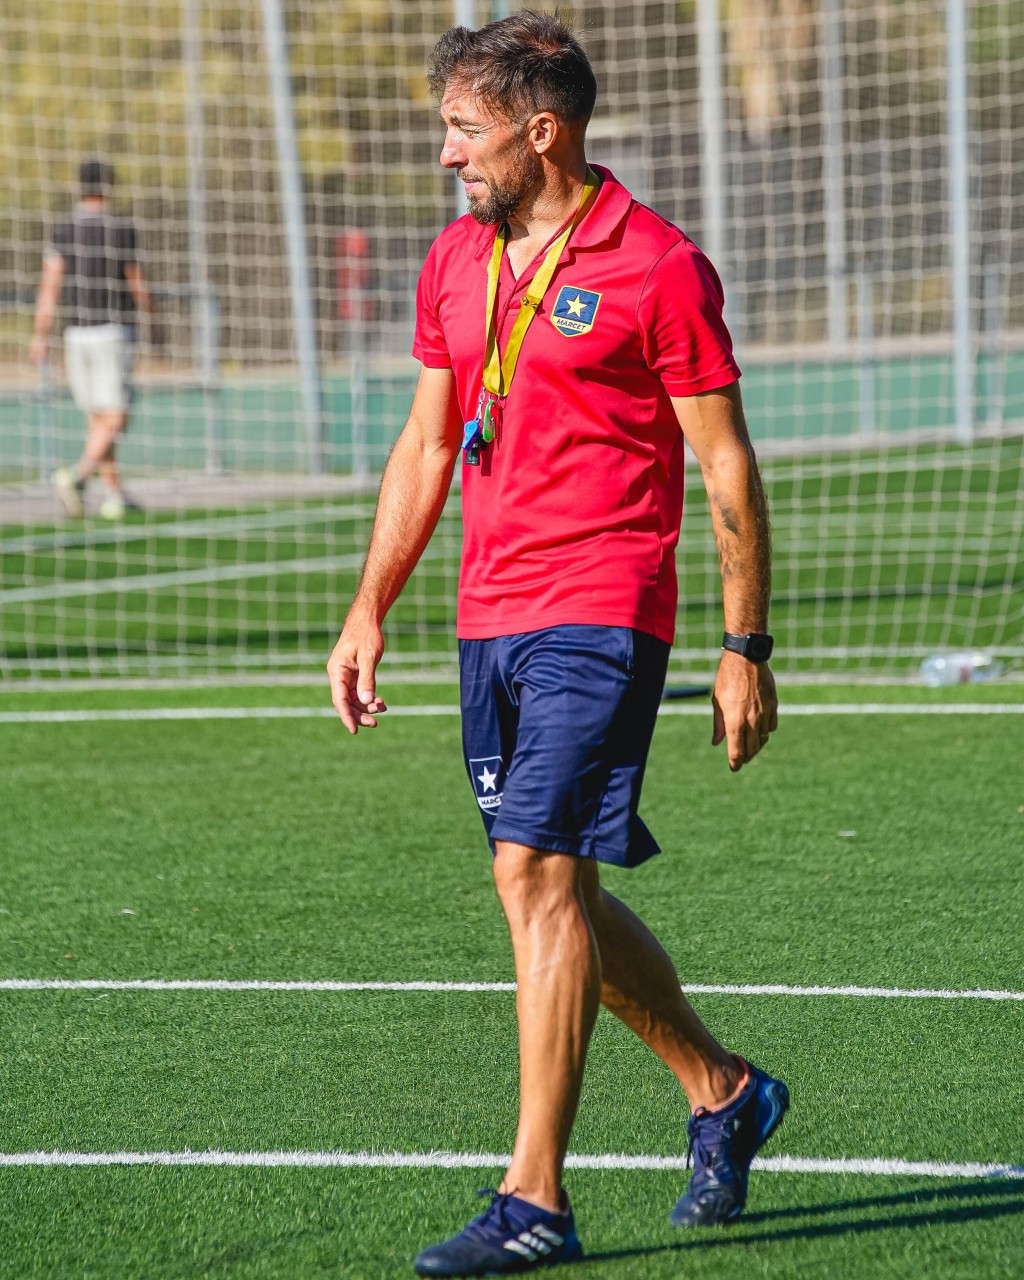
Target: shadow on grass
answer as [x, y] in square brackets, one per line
[974, 1190]
[992, 1199]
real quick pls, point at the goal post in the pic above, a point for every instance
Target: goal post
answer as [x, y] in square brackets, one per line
[854, 170]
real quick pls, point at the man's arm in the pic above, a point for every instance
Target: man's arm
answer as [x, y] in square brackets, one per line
[46, 305]
[745, 703]
[412, 496]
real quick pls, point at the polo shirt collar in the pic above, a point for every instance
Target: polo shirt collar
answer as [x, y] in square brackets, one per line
[610, 208]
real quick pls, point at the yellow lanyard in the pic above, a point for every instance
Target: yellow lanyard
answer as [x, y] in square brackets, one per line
[499, 371]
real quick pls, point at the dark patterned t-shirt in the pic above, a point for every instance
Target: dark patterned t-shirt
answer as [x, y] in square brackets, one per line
[96, 247]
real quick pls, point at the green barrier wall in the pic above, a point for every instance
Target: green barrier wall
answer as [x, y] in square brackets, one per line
[261, 425]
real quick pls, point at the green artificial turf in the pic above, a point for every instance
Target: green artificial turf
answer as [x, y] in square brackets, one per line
[874, 850]
[369, 1224]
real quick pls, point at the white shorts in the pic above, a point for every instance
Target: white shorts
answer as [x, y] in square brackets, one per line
[98, 359]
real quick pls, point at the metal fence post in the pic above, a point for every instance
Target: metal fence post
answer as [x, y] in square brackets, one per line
[295, 232]
[834, 171]
[202, 303]
[47, 422]
[868, 392]
[465, 16]
[959, 218]
[714, 240]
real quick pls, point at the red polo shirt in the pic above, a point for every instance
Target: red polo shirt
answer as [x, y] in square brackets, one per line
[573, 515]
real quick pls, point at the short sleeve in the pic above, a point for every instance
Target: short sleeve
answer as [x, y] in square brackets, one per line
[125, 241]
[60, 240]
[686, 341]
[429, 346]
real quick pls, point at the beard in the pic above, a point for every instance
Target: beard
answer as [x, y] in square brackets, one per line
[505, 197]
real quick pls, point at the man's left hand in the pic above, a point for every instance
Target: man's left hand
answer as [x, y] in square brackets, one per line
[746, 707]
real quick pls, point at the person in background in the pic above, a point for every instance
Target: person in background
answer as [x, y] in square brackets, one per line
[91, 272]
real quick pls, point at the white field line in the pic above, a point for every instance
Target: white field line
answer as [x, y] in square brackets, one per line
[691, 988]
[875, 1166]
[699, 707]
[201, 713]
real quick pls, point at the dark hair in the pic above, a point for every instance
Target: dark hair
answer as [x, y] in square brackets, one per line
[519, 65]
[96, 177]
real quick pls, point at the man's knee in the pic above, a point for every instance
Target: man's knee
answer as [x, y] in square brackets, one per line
[108, 422]
[532, 881]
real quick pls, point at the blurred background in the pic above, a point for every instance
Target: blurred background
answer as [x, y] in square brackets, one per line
[854, 170]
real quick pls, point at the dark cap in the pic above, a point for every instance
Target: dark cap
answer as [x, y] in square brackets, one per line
[96, 177]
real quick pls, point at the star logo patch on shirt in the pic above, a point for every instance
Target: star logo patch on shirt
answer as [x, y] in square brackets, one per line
[574, 310]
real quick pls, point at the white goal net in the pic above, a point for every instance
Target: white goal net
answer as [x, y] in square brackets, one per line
[856, 172]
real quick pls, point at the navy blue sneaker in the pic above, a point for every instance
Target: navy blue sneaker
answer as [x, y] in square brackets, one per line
[511, 1235]
[722, 1144]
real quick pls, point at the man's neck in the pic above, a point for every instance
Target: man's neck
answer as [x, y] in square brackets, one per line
[542, 214]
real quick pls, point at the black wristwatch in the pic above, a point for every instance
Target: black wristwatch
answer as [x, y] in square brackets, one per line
[756, 646]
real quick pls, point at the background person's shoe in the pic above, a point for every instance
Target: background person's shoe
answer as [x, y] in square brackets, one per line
[116, 505]
[69, 490]
[509, 1237]
[723, 1142]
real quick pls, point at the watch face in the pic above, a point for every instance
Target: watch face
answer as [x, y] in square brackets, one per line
[759, 648]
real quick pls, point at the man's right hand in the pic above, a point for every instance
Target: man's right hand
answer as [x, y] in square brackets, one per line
[353, 673]
[39, 348]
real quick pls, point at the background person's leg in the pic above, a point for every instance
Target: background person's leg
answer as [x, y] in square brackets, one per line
[558, 976]
[100, 452]
[639, 984]
[109, 356]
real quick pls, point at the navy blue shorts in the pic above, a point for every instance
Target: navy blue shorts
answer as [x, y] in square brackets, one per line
[556, 726]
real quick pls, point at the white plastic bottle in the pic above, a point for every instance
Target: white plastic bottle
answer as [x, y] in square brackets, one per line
[967, 667]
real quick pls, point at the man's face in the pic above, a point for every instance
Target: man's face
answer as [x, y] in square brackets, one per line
[491, 156]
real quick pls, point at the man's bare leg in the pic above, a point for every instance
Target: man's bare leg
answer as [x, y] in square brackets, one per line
[641, 987]
[100, 452]
[558, 976]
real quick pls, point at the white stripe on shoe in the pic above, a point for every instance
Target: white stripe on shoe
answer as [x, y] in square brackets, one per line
[515, 1246]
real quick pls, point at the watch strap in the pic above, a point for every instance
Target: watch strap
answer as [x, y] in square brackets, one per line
[755, 646]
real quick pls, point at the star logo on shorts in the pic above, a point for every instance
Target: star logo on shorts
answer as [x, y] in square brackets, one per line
[488, 777]
[575, 310]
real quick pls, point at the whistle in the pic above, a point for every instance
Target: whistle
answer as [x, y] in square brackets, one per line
[471, 442]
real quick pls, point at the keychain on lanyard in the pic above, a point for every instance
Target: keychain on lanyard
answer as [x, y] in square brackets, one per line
[480, 430]
[499, 371]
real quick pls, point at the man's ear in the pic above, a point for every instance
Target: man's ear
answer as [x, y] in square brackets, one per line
[542, 131]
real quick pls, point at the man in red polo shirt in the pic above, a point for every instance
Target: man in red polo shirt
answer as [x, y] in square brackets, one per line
[570, 338]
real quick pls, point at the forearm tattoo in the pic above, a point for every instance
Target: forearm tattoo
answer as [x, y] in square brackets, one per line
[743, 536]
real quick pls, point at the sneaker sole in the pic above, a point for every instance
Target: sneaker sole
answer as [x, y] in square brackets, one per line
[542, 1263]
